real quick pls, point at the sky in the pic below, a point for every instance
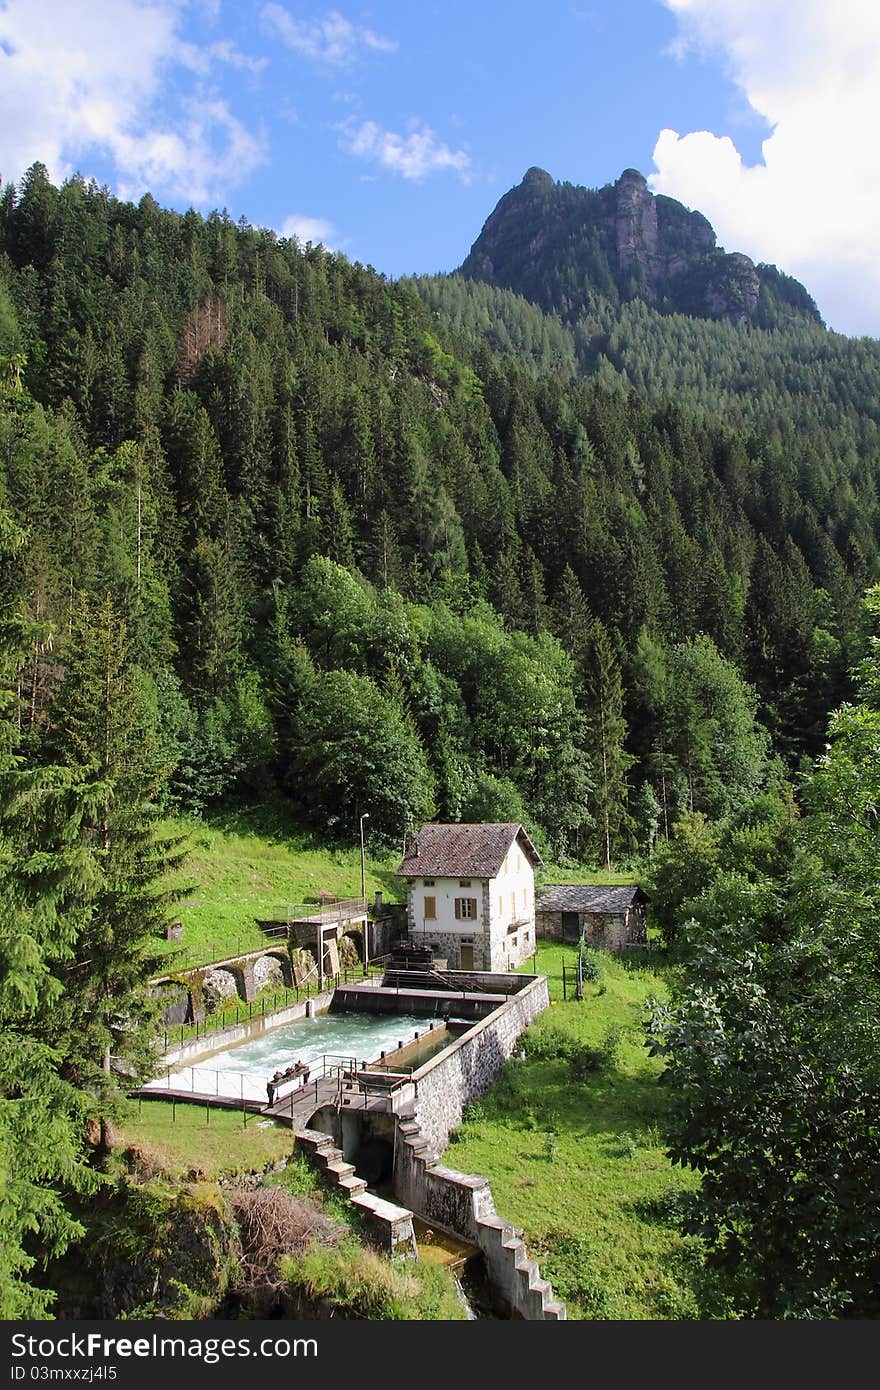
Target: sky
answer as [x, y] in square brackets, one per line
[388, 131]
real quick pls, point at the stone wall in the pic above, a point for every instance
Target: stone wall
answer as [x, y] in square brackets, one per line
[609, 931]
[466, 1070]
[385, 930]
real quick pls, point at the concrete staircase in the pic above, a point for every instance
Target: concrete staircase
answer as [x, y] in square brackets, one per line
[502, 1244]
[391, 1225]
[513, 1272]
[323, 1154]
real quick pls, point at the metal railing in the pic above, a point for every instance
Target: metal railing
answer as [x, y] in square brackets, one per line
[228, 1016]
[319, 914]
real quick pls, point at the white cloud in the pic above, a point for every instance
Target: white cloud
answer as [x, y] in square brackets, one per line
[333, 39]
[82, 79]
[413, 156]
[812, 205]
[313, 229]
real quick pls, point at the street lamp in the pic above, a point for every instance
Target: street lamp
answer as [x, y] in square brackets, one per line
[365, 816]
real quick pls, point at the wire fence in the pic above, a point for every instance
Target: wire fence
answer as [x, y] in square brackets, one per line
[229, 1015]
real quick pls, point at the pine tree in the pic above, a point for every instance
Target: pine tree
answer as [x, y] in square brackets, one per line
[42, 1113]
[604, 688]
[103, 726]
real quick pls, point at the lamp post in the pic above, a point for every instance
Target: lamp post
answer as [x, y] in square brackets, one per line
[363, 868]
[365, 816]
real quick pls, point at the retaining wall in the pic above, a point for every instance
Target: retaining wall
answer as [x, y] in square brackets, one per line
[463, 1202]
[223, 1038]
[465, 1071]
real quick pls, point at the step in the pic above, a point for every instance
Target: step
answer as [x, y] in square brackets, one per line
[543, 1287]
[329, 1155]
[496, 1228]
[409, 1127]
[340, 1168]
[555, 1311]
[415, 1142]
[388, 1211]
[524, 1265]
[497, 1224]
[313, 1141]
[352, 1184]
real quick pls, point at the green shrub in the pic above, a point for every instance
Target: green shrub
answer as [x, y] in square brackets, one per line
[351, 1281]
[547, 1044]
[591, 967]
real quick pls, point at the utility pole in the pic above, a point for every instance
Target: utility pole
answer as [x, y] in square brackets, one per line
[365, 816]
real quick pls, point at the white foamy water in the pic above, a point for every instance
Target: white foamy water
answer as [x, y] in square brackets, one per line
[244, 1070]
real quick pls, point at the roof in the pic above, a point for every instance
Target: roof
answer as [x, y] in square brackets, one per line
[464, 851]
[589, 897]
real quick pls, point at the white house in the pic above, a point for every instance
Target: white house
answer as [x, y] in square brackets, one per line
[471, 894]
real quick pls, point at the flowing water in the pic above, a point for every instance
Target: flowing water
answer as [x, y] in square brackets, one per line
[243, 1070]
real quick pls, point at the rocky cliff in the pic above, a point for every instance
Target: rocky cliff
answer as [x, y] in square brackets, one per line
[561, 245]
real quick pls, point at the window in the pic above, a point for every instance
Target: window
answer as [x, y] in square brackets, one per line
[465, 909]
[430, 907]
[428, 882]
[464, 883]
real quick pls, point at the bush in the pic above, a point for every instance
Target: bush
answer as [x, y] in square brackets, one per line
[591, 967]
[351, 1281]
[552, 1044]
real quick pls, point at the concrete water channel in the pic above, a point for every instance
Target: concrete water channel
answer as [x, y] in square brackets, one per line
[387, 1072]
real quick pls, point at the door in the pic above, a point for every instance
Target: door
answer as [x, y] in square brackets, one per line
[571, 926]
[466, 956]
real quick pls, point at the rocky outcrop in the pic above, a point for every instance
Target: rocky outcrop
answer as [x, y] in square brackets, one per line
[733, 292]
[635, 224]
[560, 245]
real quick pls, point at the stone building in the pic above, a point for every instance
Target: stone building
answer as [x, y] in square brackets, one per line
[471, 894]
[610, 917]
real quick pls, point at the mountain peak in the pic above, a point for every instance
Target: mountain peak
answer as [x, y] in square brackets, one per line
[632, 176]
[537, 178]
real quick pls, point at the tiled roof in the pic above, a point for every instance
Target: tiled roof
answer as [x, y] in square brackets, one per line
[588, 897]
[464, 851]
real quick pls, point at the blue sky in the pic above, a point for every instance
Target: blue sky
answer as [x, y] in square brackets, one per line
[389, 131]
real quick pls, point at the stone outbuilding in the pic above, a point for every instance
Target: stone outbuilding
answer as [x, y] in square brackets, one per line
[609, 917]
[470, 894]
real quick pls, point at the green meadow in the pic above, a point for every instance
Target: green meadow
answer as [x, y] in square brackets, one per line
[571, 1140]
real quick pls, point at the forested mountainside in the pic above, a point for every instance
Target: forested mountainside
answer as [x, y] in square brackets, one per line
[319, 518]
[273, 526]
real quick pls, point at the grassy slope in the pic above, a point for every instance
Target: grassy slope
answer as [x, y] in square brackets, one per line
[579, 1166]
[243, 866]
[184, 1138]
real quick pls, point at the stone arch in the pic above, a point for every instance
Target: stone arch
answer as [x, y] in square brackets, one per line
[304, 966]
[326, 1121]
[351, 949]
[218, 985]
[282, 955]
